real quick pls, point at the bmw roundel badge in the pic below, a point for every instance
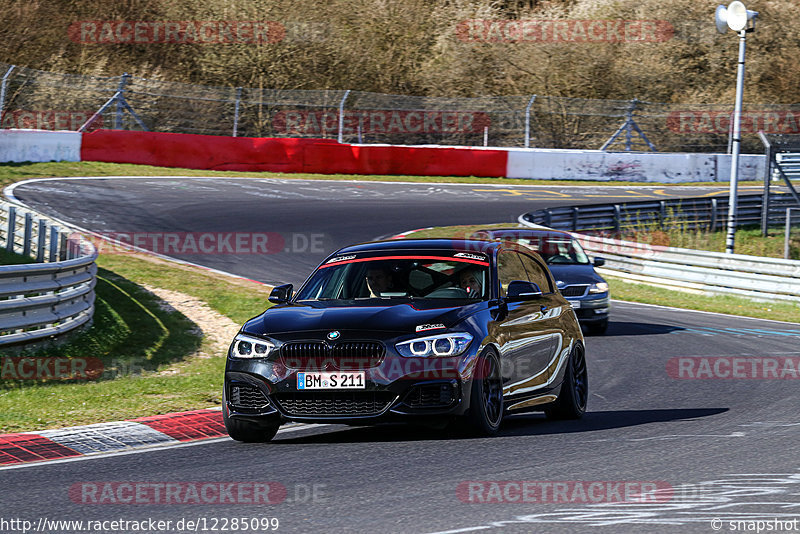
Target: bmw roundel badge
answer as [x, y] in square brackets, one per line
[334, 335]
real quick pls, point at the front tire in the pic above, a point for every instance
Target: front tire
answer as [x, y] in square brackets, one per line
[574, 394]
[486, 404]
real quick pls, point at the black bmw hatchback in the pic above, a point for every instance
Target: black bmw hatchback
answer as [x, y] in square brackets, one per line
[416, 330]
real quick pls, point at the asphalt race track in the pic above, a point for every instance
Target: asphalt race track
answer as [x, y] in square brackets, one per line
[717, 446]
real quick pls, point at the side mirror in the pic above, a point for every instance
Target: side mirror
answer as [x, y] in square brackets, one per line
[523, 290]
[598, 262]
[281, 294]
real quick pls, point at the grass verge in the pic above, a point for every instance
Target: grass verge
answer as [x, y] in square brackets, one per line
[748, 240]
[15, 172]
[148, 353]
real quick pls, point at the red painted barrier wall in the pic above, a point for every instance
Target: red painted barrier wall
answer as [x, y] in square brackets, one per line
[286, 155]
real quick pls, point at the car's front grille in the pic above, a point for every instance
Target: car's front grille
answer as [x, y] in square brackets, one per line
[247, 397]
[430, 396]
[574, 291]
[334, 403]
[348, 355]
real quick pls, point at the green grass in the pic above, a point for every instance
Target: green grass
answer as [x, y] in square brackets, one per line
[144, 349]
[633, 292]
[15, 172]
[748, 241]
[10, 258]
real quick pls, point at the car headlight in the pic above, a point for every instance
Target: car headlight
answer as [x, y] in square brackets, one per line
[250, 347]
[599, 287]
[438, 346]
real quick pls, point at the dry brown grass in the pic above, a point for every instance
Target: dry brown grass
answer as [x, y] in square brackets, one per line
[411, 47]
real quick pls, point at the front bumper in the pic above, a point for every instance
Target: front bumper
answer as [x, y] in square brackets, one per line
[397, 388]
[591, 309]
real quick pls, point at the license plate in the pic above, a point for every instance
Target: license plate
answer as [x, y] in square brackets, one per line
[330, 380]
[575, 303]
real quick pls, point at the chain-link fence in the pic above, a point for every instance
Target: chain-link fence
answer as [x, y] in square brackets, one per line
[36, 99]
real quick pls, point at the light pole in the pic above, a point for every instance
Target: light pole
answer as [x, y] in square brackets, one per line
[738, 18]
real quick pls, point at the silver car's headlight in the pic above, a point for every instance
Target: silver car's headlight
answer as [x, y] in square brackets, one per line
[438, 346]
[251, 347]
[599, 287]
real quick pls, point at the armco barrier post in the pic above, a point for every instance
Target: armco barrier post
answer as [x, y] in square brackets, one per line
[42, 236]
[62, 247]
[53, 253]
[28, 234]
[12, 228]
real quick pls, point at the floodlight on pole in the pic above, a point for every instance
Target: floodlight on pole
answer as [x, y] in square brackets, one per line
[741, 20]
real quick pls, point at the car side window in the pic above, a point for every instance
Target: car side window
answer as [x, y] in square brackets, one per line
[509, 268]
[537, 273]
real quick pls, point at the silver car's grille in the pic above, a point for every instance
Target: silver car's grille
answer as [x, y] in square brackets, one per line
[574, 291]
[335, 403]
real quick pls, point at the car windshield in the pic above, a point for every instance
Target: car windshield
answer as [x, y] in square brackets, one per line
[553, 247]
[436, 275]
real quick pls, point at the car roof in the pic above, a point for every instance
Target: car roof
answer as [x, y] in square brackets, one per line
[461, 245]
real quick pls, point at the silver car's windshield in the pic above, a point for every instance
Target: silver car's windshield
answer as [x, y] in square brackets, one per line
[555, 247]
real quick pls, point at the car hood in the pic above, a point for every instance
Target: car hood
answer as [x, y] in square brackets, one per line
[575, 274]
[402, 318]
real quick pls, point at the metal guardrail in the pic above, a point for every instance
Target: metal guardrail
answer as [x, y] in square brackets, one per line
[52, 296]
[699, 271]
[677, 268]
[688, 213]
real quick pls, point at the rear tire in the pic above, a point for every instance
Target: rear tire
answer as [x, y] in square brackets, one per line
[486, 402]
[248, 431]
[574, 394]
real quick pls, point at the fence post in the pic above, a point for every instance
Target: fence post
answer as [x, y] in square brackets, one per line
[769, 154]
[3, 91]
[12, 228]
[236, 112]
[575, 212]
[123, 81]
[662, 213]
[629, 125]
[341, 116]
[617, 217]
[714, 214]
[26, 242]
[42, 236]
[528, 121]
[788, 231]
[485, 136]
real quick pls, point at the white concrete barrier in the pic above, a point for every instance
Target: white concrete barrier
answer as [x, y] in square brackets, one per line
[555, 164]
[39, 145]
